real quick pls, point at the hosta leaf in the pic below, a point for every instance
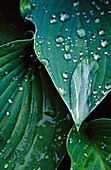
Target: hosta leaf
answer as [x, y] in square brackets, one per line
[91, 148]
[68, 33]
[34, 122]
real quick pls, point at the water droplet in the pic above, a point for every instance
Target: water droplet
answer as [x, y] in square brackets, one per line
[81, 33]
[64, 16]
[10, 100]
[65, 75]
[53, 21]
[38, 168]
[8, 113]
[96, 56]
[59, 130]
[101, 31]
[41, 137]
[62, 91]
[20, 88]
[75, 3]
[108, 86]
[108, 158]
[67, 47]
[67, 56]
[104, 43]
[46, 157]
[6, 166]
[97, 20]
[45, 62]
[60, 39]
[103, 145]
[85, 154]
[74, 59]
[6, 72]
[95, 92]
[102, 12]
[8, 141]
[59, 137]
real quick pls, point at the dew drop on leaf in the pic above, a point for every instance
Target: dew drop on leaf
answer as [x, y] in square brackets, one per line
[53, 21]
[20, 88]
[96, 56]
[8, 113]
[45, 62]
[6, 166]
[65, 75]
[81, 33]
[10, 101]
[59, 137]
[85, 154]
[97, 20]
[67, 47]
[46, 157]
[60, 39]
[62, 91]
[104, 43]
[67, 56]
[64, 16]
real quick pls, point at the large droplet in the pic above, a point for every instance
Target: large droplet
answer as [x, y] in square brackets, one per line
[62, 91]
[104, 43]
[81, 33]
[96, 56]
[75, 3]
[45, 62]
[64, 16]
[20, 88]
[60, 39]
[65, 75]
[67, 56]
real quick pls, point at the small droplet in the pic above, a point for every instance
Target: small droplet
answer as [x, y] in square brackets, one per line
[101, 31]
[59, 137]
[10, 101]
[97, 20]
[8, 141]
[67, 47]
[6, 72]
[75, 3]
[6, 166]
[85, 154]
[96, 56]
[67, 56]
[53, 21]
[60, 39]
[20, 88]
[103, 145]
[81, 33]
[8, 113]
[45, 62]
[108, 158]
[46, 157]
[62, 91]
[64, 16]
[95, 92]
[108, 86]
[59, 130]
[74, 59]
[40, 137]
[65, 75]
[104, 43]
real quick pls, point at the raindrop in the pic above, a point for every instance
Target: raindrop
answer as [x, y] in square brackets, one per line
[95, 92]
[67, 56]
[6, 166]
[38, 168]
[45, 62]
[8, 113]
[97, 20]
[62, 91]
[6, 72]
[53, 21]
[46, 157]
[102, 12]
[103, 145]
[64, 16]
[60, 39]
[85, 154]
[96, 56]
[75, 3]
[74, 59]
[67, 47]
[109, 11]
[65, 75]
[59, 130]
[20, 88]
[108, 86]
[81, 33]
[101, 31]
[59, 137]
[10, 101]
[41, 137]
[104, 43]
[53, 15]
[8, 141]
[108, 158]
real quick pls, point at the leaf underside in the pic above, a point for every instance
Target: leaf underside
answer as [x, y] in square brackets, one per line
[67, 33]
[91, 149]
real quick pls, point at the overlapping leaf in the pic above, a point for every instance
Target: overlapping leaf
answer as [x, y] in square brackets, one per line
[67, 33]
[91, 148]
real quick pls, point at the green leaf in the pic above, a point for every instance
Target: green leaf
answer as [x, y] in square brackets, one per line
[68, 34]
[34, 122]
[91, 147]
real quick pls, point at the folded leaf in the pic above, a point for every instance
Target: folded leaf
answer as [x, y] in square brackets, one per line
[91, 148]
[33, 120]
[67, 33]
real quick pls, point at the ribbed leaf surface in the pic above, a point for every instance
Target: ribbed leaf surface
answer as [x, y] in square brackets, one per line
[67, 32]
[91, 149]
